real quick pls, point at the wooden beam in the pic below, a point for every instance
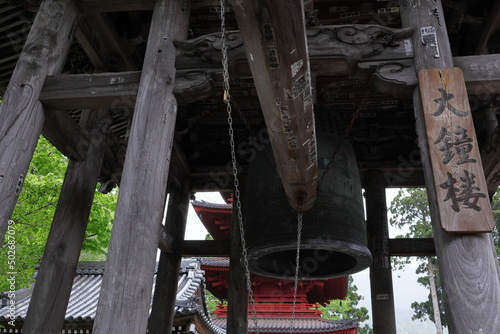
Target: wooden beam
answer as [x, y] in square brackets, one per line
[21, 115]
[333, 50]
[100, 41]
[115, 90]
[237, 312]
[96, 6]
[53, 286]
[206, 248]
[125, 297]
[398, 77]
[491, 26]
[280, 66]
[472, 301]
[163, 308]
[66, 135]
[412, 247]
[382, 294]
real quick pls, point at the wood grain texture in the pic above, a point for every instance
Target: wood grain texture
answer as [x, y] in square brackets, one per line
[237, 316]
[468, 265]
[163, 308]
[382, 294]
[125, 298]
[21, 115]
[275, 43]
[398, 77]
[51, 294]
[461, 190]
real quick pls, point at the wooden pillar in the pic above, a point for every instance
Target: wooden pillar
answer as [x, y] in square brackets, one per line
[167, 276]
[50, 298]
[467, 264]
[237, 313]
[383, 314]
[21, 115]
[125, 297]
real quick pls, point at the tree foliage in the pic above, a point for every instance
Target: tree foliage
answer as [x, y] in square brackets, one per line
[347, 309]
[34, 211]
[410, 210]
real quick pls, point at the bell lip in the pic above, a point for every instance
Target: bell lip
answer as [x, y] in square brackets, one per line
[359, 252]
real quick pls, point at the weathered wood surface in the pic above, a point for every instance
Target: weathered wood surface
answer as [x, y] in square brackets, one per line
[118, 90]
[333, 50]
[275, 43]
[237, 305]
[51, 294]
[125, 298]
[163, 308]
[95, 6]
[412, 247]
[461, 191]
[21, 115]
[66, 134]
[102, 44]
[490, 156]
[398, 77]
[467, 263]
[382, 295]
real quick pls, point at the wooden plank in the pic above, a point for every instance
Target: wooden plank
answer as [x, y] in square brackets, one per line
[412, 247]
[280, 65]
[125, 297]
[163, 308]
[237, 304]
[119, 90]
[382, 294]
[461, 190]
[472, 301]
[21, 116]
[50, 297]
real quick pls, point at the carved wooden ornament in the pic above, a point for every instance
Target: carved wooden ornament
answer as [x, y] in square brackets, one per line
[461, 190]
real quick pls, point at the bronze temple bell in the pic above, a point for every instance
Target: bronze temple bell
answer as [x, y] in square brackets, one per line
[334, 230]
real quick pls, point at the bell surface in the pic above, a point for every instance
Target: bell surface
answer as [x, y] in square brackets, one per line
[333, 241]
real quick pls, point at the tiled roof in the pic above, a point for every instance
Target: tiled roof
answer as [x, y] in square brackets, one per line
[215, 206]
[82, 305]
[303, 325]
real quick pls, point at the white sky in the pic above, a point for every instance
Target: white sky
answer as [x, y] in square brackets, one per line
[406, 288]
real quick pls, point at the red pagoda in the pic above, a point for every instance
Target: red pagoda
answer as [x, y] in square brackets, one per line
[273, 298]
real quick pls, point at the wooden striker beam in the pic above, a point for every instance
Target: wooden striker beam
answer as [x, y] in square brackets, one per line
[125, 298]
[275, 43]
[21, 115]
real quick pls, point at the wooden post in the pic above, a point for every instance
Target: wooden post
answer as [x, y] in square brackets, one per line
[167, 276]
[125, 297]
[53, 285]
[467, 264]
[382, 295]
[237, 313]
[21, 115]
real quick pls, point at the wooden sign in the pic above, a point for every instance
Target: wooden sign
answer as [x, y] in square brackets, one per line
[461, 190]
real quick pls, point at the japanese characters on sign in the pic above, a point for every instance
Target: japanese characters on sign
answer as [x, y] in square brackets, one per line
[459, 183]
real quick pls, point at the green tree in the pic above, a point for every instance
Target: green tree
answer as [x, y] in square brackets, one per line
[347, 309]
[410, 210]
[35, 209]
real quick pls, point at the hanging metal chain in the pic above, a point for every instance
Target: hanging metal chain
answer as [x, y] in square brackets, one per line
[297, 263]
[227, 100]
